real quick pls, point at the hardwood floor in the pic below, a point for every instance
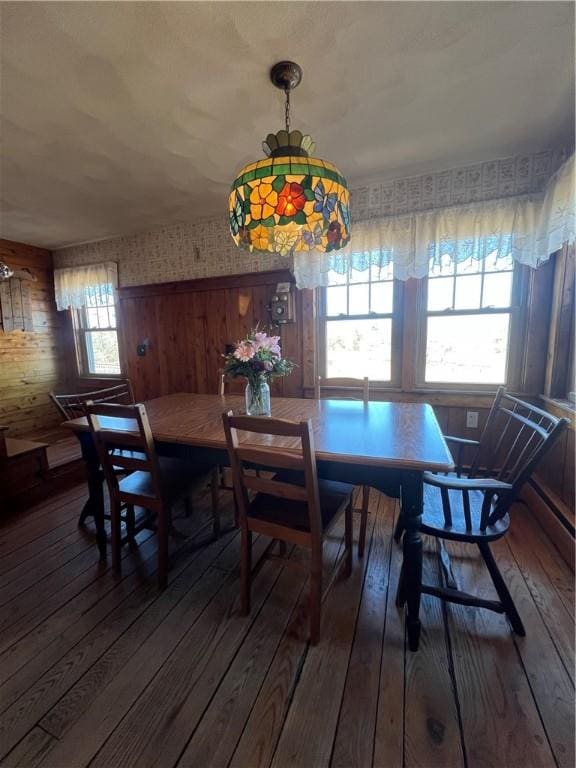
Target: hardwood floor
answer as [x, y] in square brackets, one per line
[100, 672]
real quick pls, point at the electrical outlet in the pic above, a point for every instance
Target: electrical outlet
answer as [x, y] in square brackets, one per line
[472, 419]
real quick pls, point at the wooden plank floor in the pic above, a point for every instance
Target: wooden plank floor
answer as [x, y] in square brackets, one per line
[103, 672]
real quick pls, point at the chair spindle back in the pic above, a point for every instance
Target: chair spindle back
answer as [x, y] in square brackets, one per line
[516, 437]
[73, 406]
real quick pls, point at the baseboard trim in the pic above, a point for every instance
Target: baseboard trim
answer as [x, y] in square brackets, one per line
[554, 527]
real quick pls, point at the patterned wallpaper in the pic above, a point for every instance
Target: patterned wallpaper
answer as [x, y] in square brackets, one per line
[205, 248]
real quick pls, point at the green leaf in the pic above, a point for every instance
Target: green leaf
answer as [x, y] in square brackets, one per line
[278, 183]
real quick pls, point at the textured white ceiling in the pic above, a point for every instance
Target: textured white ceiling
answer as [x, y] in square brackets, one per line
[121, 117]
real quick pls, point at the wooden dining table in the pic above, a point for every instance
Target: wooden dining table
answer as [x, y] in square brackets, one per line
[387, 446]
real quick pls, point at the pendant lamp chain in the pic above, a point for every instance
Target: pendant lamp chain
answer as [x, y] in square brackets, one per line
[287, 109]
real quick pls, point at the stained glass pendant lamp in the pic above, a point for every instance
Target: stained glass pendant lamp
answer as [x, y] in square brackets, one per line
[289, 201]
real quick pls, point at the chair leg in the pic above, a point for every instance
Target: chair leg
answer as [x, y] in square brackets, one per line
[398, 530]
[502, 590]
[348, 529]
[363, 520]
[214, 482]
[116, 523]
[131, 525]
[401, 595]
[315, 594]
[163, 521]
[245, 569]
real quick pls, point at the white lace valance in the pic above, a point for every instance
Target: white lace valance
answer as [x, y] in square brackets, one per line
[73, 285]
[557, 213]
[528, 229]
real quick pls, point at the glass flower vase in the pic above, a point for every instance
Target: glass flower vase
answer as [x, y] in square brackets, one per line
[258, 399]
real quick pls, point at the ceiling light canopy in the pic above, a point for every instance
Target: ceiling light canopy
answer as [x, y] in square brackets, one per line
[289, 201]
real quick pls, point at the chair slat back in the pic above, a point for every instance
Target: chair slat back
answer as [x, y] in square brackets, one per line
[359, 389]
[300, 458]
[124, 440]
[73, 406]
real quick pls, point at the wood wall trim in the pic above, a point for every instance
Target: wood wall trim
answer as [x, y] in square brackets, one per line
[562, 539]
[246, 280]
[562, 511]
[562, 409]
[560, 363]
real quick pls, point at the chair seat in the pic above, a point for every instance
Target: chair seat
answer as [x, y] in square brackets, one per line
[334, 497]
[178, 479]
[433, 517]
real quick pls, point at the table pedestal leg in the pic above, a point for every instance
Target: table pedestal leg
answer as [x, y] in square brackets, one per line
[95, 505]
[411, 578]
[96, 501]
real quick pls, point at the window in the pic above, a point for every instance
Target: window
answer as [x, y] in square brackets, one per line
[461, 327]
[356, 319]
[96, 333]
[468, 321]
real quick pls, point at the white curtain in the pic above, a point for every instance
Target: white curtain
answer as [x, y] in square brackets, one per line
[74, 286]
[527, 229]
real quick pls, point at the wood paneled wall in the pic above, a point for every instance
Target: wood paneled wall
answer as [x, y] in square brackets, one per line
[33, 362]
[187, 325]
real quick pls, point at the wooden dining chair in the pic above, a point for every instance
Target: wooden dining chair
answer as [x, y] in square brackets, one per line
[472, 506]
[224, 473]
[224, 382]
[72, 406]
[293, 506]
[124, 440]
[357, 389]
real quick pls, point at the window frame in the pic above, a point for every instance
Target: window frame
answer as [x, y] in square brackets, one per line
[81, 328]
[516, 336]
[396, 333]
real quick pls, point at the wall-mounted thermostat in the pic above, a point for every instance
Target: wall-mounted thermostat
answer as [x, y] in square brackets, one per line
[282, 304]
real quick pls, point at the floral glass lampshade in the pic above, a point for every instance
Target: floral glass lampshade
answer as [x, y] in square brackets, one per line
[289, 201]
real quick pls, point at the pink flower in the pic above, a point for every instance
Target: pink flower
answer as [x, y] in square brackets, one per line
[268, 365]
[244, 351]
[263, 341]
[260, 341]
